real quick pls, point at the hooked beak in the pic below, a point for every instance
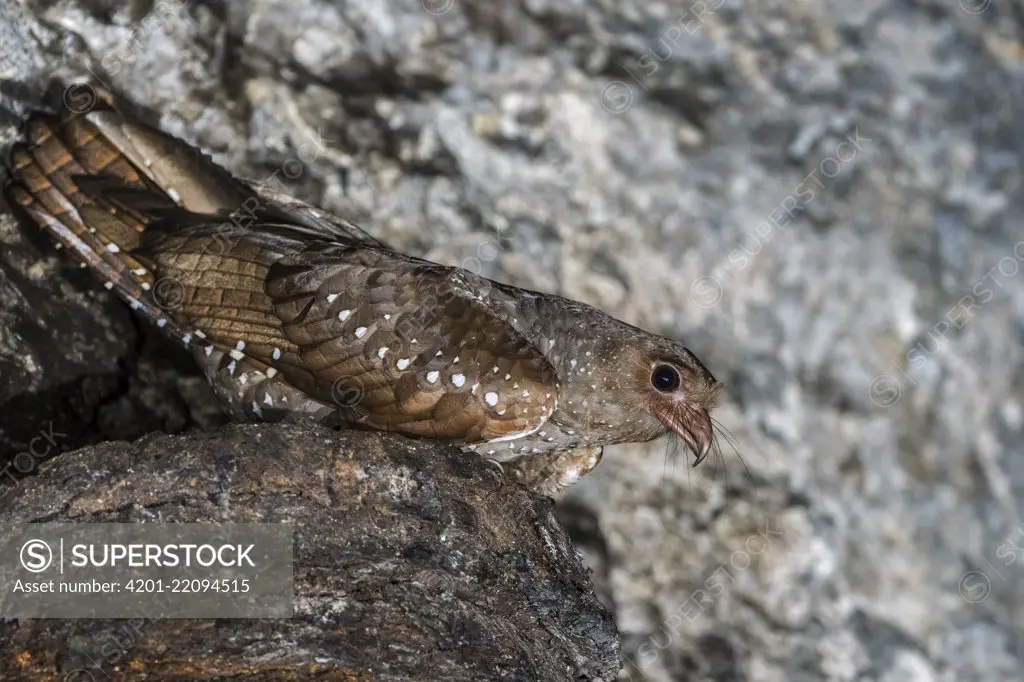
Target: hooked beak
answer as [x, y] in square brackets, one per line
[693, 425]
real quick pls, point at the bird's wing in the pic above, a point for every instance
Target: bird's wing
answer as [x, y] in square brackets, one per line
[390, 342]
[404, 345]
[277, 206]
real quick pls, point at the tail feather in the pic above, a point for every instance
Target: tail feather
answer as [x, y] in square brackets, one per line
[110, 190]
[43, 184]
[181, 171]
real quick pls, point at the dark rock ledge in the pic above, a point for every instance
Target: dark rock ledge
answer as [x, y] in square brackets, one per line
[412, 562]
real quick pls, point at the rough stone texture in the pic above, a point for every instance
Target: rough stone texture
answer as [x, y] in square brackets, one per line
[640, 183]
[413, 561]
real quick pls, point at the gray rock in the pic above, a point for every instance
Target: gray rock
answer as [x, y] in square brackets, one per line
[412, 561]
[883, 442]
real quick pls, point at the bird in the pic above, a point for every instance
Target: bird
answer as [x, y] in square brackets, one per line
[292, 312]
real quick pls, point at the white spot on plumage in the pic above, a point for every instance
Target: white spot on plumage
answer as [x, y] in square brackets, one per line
[360, 331]
[491, 398]
[139, 271]
[271, 372]
[113, 248]
[494, 369]
[231, 368]
[382, 352]
[209, 350]
[432, 377]
[387, 316]
[243, 378]
[108, 285]
[526, 394]
[187, 339]
[199, 333]
[344, 315]
[572, 364]
[145, 286]
[162, 322]
[456, 360]
[256, 409]
[331, 298]
[507, 376]
[236, 355]
[268, 400]
[473, 390]
[459, 380]
[173, 194]
[240, 345]
[403, 363]
[276, 354]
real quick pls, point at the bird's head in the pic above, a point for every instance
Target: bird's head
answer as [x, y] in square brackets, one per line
[680, 393]
[629, 385]
[651, 386]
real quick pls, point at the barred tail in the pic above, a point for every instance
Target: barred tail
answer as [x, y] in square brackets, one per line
[98, 234]
[112, 191]
[96, 181]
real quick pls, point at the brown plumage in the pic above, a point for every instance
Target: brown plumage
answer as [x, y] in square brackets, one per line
[292, 311]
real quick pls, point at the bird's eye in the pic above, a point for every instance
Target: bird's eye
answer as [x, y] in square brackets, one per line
[665, 378]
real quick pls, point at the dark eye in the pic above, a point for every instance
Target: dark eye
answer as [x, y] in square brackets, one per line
[665, 378]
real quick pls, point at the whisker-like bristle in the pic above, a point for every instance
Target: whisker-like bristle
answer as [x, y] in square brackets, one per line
[718, 461]
[680, 451]
[664, 467]
[671, 455]
[729, 438]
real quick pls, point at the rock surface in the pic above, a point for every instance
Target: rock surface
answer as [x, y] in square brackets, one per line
[412, 562]
[629, 154]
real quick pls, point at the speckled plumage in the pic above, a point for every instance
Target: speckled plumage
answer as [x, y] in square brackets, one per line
[292, 311]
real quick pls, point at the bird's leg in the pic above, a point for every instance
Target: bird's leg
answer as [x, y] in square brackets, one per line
[550, 473]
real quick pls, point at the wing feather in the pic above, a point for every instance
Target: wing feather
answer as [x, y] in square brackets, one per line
[424, 354]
